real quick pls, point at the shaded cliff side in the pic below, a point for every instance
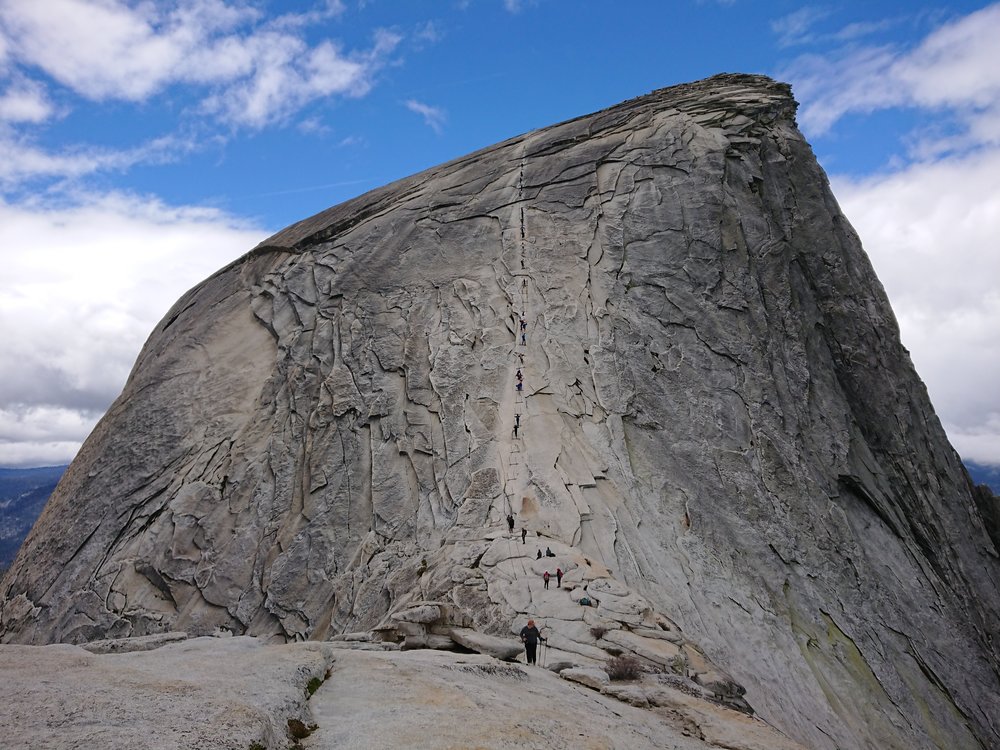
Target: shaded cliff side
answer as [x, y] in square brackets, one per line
[719, 435]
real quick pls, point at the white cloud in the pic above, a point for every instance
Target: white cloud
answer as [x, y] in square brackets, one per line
[30, 455]
[850, 80]
[514, 6]
[313, 126]
[330, 9]
[428, 32]
[25, 101]
[99, 49]
[434, 117]
[45, 424]
[930, 230]
[83, 288]
[288, 75]
[800, 27]
[255, 73]
[955, 66]
[797, 27]
[20, 160]
[980, 445]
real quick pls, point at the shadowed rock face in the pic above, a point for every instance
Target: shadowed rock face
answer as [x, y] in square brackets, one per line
[720, 434]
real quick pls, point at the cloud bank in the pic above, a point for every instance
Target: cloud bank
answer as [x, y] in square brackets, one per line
[83, 287]
[255, 71]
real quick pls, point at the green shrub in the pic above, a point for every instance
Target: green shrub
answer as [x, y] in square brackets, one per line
[623, 668]
[313, 685]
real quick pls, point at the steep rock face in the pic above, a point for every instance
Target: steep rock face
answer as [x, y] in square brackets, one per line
[720, 434]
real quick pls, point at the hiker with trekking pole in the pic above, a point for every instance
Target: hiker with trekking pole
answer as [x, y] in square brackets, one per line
[530, 636]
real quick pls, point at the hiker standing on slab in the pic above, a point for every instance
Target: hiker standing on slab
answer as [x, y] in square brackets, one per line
[510, 523]
[530, 636]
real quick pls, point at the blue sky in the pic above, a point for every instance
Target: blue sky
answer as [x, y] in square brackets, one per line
[145, 144]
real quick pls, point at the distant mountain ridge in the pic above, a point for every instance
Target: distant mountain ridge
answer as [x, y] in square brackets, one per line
[982, 474]
[23, 494]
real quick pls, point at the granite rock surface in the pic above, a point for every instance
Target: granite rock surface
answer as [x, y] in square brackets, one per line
[207, 693]
[239, 693]
[649, 337]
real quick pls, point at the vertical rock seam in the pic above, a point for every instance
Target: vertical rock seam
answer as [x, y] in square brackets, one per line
[720, 437]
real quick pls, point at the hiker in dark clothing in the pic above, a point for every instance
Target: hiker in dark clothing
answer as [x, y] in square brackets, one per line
[530, 638]
[524, 533]
[539, 555]
[516, 426]
[510, 521]
[558, 577]
[546, 578]
[549, 552]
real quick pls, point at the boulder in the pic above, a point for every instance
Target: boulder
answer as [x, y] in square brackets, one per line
[593, 678]
[634, 695]
[658, 651]
[139, 643]
[425, 614]
[499, 648]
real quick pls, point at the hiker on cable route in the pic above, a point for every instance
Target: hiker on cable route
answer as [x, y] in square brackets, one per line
[510, 522]
[530, 636]
[524, 533]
